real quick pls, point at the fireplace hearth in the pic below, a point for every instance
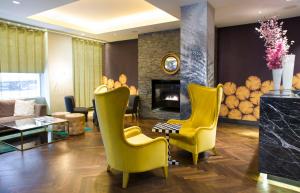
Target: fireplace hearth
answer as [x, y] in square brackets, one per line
[166, 95]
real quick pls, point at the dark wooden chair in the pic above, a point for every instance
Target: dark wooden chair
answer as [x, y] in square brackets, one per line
[133, 105]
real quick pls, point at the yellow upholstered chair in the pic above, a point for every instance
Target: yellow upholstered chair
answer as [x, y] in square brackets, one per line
[127, 150]
[198, 133]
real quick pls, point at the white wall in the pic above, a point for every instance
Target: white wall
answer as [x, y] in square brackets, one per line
[59, 71]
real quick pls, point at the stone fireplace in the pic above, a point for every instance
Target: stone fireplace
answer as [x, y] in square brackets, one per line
[166, 95]
[152, 47]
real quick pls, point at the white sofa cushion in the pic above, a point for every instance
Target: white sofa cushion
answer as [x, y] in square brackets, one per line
[24, 108]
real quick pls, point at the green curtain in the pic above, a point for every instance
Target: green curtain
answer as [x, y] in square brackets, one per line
[21, 49]
[87, 61]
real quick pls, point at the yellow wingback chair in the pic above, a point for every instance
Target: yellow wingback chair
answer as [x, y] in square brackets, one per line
[198, 132]
[101, 89]
[127, 150]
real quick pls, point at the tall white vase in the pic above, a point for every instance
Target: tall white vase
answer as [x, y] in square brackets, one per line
[288, 63]
[277, 74]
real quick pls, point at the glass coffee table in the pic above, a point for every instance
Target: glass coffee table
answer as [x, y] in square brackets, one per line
[34, 132]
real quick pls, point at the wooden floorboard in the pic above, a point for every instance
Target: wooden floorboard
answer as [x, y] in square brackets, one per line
[78, 165]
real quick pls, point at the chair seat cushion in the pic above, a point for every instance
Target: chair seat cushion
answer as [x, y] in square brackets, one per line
[186, 134]
[139, 139]
[80, 110]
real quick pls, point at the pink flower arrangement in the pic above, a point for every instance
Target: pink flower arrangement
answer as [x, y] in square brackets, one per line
[276, 42]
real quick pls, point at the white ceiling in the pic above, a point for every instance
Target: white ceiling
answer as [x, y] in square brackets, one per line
[236, 12]
[227, 13]
[102, 16]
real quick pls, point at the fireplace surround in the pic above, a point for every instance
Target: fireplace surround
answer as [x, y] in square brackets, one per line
[166, 95]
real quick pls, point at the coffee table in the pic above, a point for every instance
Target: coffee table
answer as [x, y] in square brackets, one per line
[34, 132]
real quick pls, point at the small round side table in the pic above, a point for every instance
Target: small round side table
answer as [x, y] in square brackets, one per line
[76, 123]
[61, 115]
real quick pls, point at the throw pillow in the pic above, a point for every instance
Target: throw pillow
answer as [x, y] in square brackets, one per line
[24, 108]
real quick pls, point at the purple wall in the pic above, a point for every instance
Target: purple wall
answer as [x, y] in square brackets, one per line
[122, 57]
[240, 52]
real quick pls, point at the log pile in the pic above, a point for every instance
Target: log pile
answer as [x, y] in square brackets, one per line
[242, 102]
[122, 81]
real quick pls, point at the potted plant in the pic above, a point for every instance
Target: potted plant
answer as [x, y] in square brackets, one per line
[277, 53]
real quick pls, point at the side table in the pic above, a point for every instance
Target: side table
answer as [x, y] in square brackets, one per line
[76, 123]
[167, 129]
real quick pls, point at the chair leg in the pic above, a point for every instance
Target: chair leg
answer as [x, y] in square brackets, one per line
[195, 158]
[215, 151]
[165, 170]
[108, 168]
[125, 179]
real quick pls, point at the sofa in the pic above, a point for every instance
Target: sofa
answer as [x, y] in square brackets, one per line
[7, 108]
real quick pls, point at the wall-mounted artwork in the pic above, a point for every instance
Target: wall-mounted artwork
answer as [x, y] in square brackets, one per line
[112, 84]
[170, 63]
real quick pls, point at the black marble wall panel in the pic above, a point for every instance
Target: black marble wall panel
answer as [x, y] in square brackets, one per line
[194, 49]
[279, 136]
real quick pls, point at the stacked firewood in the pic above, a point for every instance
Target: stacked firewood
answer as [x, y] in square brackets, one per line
[242, 102]
[112, 84]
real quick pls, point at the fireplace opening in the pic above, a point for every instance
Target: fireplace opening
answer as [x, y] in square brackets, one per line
[166, 95]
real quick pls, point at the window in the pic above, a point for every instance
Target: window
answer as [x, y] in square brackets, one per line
[19, 85]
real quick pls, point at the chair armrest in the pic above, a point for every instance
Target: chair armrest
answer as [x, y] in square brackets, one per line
[155, 140]
[132, 131]
[147, 155]
[175, 121]
[40, 110]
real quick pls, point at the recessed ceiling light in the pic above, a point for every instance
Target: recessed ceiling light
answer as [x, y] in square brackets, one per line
[288, 0]
[16, 2]
[259, 12]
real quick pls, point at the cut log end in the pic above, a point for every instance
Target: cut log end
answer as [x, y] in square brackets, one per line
[242, 93]
[232, 102]
[253, 83]
[246, 107]
[235, 114]
[229, 88]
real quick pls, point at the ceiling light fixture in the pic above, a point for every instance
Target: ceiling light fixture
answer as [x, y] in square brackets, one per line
[16, 2]
[259, 12]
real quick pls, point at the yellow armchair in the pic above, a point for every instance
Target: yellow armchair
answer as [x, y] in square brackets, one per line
[198, 132]
[127, 150]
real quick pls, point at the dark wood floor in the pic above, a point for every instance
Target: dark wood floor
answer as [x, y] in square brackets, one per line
[78, 165]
